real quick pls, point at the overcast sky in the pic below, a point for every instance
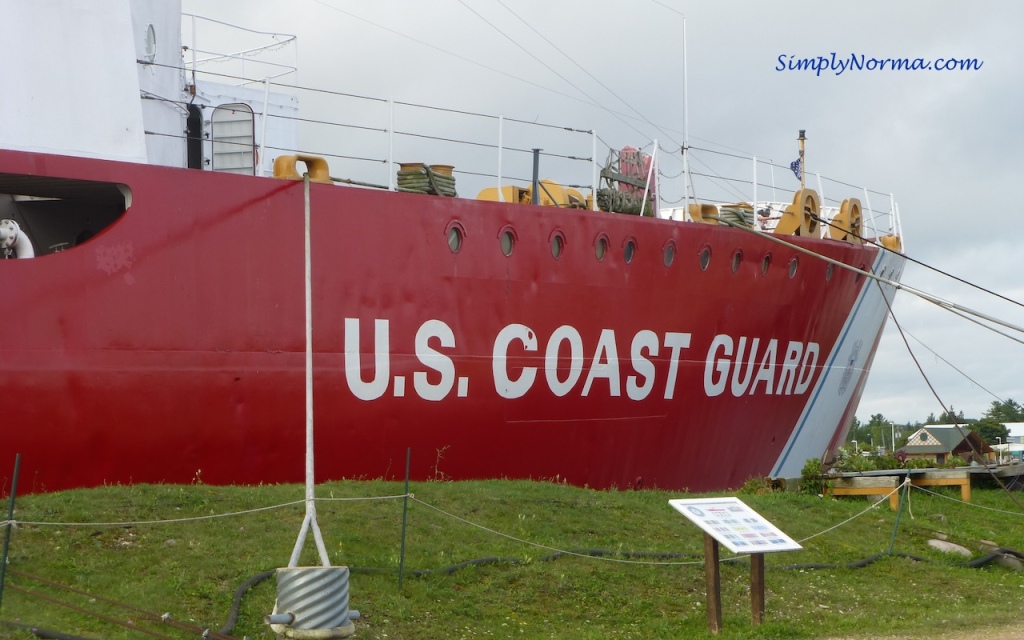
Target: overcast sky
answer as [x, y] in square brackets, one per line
[947, 144]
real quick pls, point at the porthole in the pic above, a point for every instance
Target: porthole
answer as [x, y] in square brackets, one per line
[629, 252]
[829, 270]
[737, 259]
[669, 253]
[455, 233]
[508, 242]
[150, 52]
[600, 247]
[766, 262]
[705, 257]
[793, 265]
[557, 244]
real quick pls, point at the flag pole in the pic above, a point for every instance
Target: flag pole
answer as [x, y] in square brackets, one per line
[803, 161]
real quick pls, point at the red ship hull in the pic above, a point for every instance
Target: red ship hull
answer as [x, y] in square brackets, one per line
[170, 347]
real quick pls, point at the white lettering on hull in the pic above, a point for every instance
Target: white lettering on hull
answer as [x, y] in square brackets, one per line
[740, 366]
[758, 370]
[381, 360]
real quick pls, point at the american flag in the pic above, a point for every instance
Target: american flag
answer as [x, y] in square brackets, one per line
[797, 167]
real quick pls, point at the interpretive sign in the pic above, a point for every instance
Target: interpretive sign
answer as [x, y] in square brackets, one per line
[735, 525]
[742, 530]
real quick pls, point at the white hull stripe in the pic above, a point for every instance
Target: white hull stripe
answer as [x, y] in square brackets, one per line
[783, 467]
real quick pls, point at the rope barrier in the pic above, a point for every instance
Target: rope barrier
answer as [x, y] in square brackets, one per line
[135, 523]
[542, 546]
[871, 507]
[601, 555]
[967, 504]
[412, 496]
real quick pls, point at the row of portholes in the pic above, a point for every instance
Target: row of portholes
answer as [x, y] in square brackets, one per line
[766, 262]
[508, 238]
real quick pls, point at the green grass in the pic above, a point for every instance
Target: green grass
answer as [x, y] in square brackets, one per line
[191, 569]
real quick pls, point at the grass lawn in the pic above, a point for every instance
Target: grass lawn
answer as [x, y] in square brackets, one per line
[635, 571]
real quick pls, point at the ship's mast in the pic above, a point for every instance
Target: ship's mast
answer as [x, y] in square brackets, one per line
[686, 133]
[803, 162]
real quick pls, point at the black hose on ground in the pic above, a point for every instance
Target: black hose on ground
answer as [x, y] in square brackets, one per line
[859, 564]
[236, 602]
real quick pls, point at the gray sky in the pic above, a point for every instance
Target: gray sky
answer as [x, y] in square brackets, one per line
[946, 144]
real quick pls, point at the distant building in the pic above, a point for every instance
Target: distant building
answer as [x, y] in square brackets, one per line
[1013, 448]
[1016, 432]
[939, 442]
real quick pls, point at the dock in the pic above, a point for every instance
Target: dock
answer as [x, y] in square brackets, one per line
[885, 482]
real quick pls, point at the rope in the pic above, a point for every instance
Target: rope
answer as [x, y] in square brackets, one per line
[150, 616]
[396, 497]
[633, 562]
[953, 367]
[851, 518]
[945, 304]
[68, 605]
[967, 504]
[935, 393]
[926, 266]
[541, 546]
[135, 523]
[736, 216]
[145, 522]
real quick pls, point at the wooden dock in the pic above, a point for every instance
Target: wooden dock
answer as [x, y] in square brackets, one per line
[882, 483]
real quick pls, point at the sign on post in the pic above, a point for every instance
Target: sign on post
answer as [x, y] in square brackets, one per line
[742, 530]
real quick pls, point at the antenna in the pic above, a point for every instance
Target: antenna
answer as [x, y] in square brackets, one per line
[686, 132]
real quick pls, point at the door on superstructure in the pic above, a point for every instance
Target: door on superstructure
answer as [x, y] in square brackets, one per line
[233, 133]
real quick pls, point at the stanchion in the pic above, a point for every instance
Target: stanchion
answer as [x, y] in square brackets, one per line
[904, 497]
[405, 511]
[10, 525]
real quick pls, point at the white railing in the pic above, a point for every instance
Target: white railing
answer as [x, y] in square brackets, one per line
[364, 138]
[257, 55]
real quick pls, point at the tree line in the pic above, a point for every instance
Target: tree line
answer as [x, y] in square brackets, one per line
[879, 431]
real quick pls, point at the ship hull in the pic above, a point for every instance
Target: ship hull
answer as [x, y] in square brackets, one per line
[171, 346]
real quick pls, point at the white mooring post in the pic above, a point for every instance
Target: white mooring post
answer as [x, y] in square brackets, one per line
[312, 602]
[310, 521]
